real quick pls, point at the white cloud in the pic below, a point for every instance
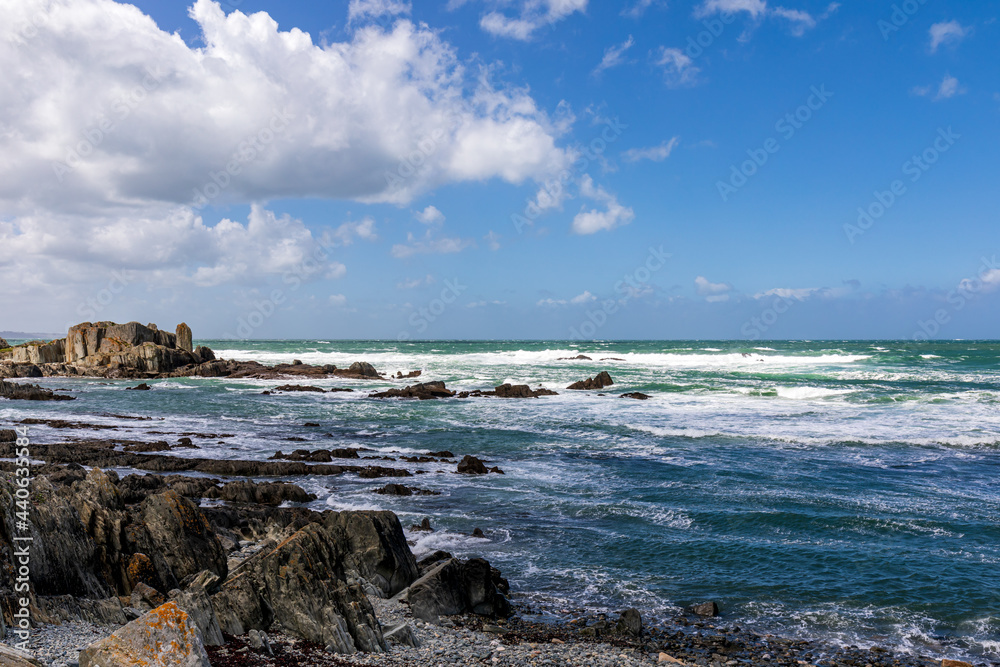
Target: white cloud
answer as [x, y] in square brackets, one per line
[533, 15]
[654, 153]
[586, 297]
[639, 8]
[753, 7]
[361, 9]
[799, 20]
[413, 283]
[493, 240]
[364, 230]
[483, 304]
[614, 55]
[713, 292]
[429, 246]
[592, 221]
[154, 119]
[950, 32]
[338, 300]
[948, 88]
[678, 67]
[143, 129]
[799, 294]
[430, 216]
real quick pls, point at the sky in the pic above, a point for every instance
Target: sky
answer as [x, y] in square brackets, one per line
[502, 169]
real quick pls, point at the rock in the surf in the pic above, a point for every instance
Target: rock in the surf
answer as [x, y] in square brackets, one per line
[600, 381]
[706, 609]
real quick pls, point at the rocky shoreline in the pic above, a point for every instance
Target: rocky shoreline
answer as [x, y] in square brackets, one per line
[222, 558]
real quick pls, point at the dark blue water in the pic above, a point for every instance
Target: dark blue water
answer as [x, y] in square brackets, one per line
[842, 489]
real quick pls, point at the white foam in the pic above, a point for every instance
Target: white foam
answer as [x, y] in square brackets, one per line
[805, 393]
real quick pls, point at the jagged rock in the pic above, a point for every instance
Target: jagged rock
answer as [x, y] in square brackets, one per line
[178, 538]
[184, 337]
[429, 561]
[424, 526]
[638, 395]
[478, 532]
[260, 493]
[454, 587]
[300, 585]
[38, 352]
[3, 343]
[579, 357]
[521, 391]
[29, 392]
[299, 387]
[377, 549]
[259, 642]
[411, 374]
[145, 597]
[165, 637]
[198, 606]
[424, 391]
[140, 387]
[630, 621]
[8, 435]
[600, 381]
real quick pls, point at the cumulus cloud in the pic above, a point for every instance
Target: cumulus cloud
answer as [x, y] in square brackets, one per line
[614, 214]
[678, 68]
[115, 135]
[653, 153]
[533, 15]
[154, 119]
[337, 300]
[586, 297]
[614, 55]
[947, 33]
[430, 216]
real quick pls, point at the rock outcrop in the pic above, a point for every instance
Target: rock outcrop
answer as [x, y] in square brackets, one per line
[183, 336]
[29, 392]
[638, 395]
[600, 381]
[3, 343]
[164, 637]
[510, 391]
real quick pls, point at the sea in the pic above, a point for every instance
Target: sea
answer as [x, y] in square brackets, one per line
[842, 490]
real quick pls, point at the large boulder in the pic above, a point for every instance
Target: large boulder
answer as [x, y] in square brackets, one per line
[376, 549]
[363, 369]
[198, 606]
[300, 585]
[38, 352]
[173, 532]
[165, 637]
[107, 338]
[455, 587]
[3, 343]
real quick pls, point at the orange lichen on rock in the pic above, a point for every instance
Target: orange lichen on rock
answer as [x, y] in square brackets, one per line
[161, 638]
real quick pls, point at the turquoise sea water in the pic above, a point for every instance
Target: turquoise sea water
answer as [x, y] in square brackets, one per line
[849, 490]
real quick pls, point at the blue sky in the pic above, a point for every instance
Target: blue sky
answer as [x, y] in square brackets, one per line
[628, 140]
